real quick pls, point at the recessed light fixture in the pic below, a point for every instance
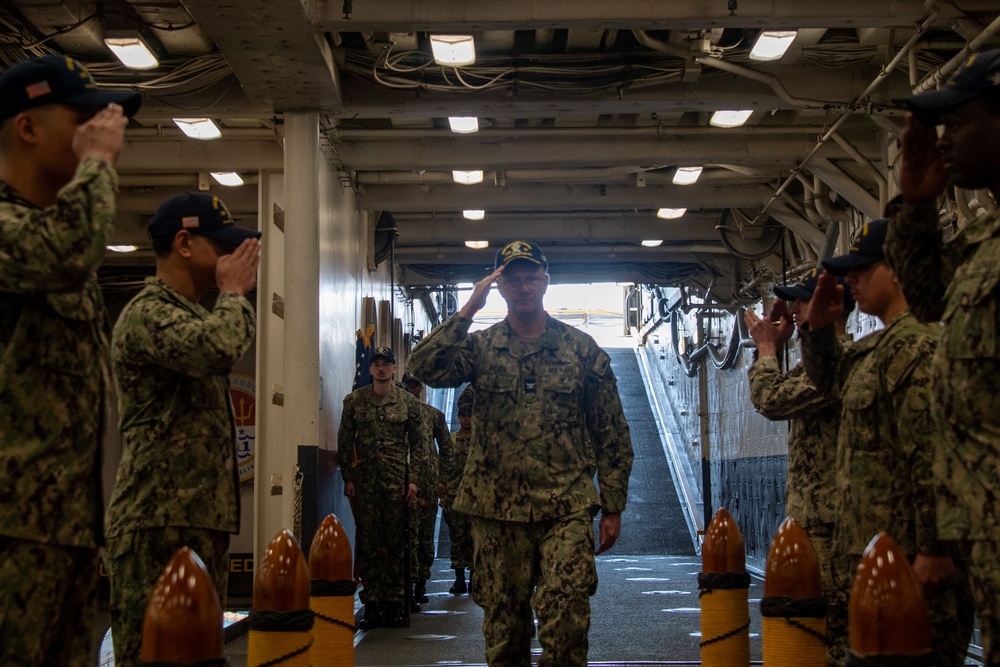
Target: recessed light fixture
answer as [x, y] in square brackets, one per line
[131, 49]
[122, 248]
[467, 177]
[670, 213]
[474, 214]
[463, 124]
[198, 128]
[687, 175]
[724, 118]
[453, 50]
[477, 245]
[652, 243]
[772, 44]
[230, 178]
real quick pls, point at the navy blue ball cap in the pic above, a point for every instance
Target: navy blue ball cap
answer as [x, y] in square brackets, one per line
[383, 352]
[865, 249]
[979, 75]
[409, 377]
[199, 213]
[801, 290]
[524, 250]
[465, 401]
[57, 80]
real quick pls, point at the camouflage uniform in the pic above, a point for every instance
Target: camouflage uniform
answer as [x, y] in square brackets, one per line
[54, 375]
[956, 282]
[810, 487]
[547, 416]
[452, 464]
[427, 514]
[178, 483]
[380, 446]
[885, 447]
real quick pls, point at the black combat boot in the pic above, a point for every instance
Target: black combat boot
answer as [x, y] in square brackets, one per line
[394, 616]
[459, 587]
[420, 591]
[373, 616]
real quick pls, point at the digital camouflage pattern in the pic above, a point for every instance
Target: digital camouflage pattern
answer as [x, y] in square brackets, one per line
[810, 486]
[885, 447]
[547, 416]
[380, 445]
[956, 282]
[171, 362]
[459, 529]
[54, 375]
[427, 511]
[136, 560]
[505, 584]
[54, 378]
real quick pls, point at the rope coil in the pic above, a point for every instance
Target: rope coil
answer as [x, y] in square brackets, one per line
[334, 630]
[280, 638]
[725, 623]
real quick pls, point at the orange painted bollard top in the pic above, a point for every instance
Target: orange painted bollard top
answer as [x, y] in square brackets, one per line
[723, 550]
[330, 556]
[282, 579]
[888, 612]
[183, 621]
[792, 568]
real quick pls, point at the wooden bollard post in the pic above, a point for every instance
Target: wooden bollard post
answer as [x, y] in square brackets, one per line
[723, 585]
[888, 619]
[332, 594]
[183, 623]
[281, 620]
[793, 607]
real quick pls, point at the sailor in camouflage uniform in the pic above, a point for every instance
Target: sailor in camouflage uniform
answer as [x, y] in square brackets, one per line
[382, 446]
[452, 466]
[957, 281]
[887, 432]
[810, 488]
[547, 416]
[60, 137]
[430, 487]
[178, 482]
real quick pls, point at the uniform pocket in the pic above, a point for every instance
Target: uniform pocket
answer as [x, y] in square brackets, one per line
[496, 397]
[970, 317]
[562, 387]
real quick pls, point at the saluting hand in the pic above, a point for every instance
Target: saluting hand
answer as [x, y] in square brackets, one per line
[922, 176]
[102, 136]
[479, 294]
[771, 333]
[237, 272]
[827, 303]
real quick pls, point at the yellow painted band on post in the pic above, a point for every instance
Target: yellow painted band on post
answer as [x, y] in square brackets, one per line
[334, 643]
[724, 611]
[786, 645]
[267, 646]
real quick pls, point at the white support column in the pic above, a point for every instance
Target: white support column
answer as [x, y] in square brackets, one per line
[299, 364]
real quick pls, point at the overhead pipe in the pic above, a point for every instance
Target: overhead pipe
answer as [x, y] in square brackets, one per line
[388, 134]
[941, 74]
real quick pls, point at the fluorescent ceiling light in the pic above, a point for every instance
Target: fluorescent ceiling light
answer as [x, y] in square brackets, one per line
[122, 248]
[651, 243]
[477, 245]
[772, 44]
[130, 48]
[230, 178]
[474, 214]
[730, 118]
[467, 177]
[453, 50]
[463, 124]
[687, 175]
[198, 128]
[670, 213]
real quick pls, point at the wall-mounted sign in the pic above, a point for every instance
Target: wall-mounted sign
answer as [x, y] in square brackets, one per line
[243, 391]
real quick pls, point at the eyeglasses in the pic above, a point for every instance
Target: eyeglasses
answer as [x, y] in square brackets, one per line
[516, 283]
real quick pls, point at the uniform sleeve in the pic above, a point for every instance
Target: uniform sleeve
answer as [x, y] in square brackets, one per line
[446, 457]
[446, 357]
[58, 248]
[915, 250]
[780, 396]
[178, 339]
[444, 445]
[609, 434]
[420, 436]
[823, 360]
[908, 378]
[346, 454]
